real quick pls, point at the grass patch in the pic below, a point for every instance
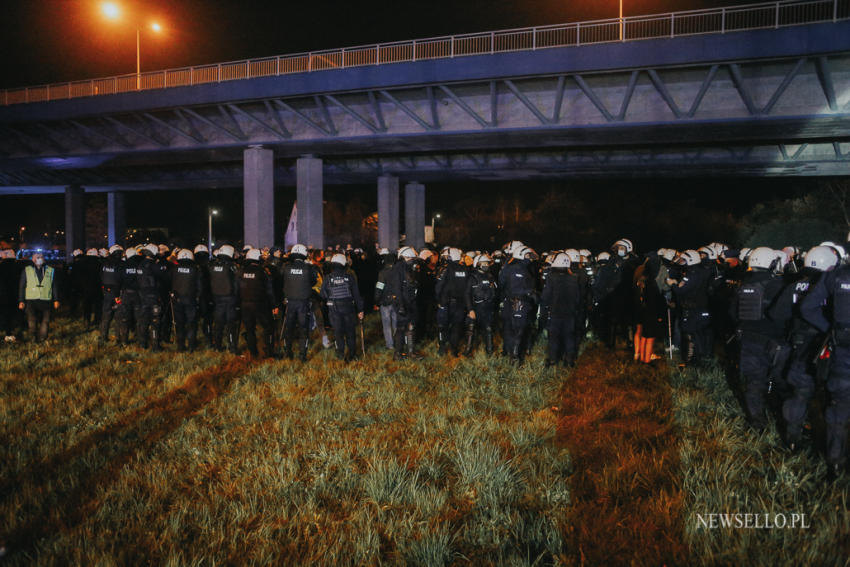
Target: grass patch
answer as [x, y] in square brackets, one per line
[123, 457]
[728, 469]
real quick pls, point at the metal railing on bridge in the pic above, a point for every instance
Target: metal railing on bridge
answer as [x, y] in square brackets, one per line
[674, 24]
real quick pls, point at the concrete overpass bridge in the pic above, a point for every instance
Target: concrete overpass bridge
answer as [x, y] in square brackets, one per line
[760, 90]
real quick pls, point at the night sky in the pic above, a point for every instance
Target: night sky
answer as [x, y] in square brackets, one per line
[43, 41]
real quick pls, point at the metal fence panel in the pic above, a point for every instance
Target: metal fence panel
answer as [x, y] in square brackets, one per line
[233, 71]
[326, 60]
[38, 94]
[58, 92]
[396, 53]
[599, 33]
[152, 80]
[178, 77]
[698, 23]
[514, 41]
[205, 74]
[560, 36]
[262, 67]
[82, 88]
[125, 84]
[16, 96]
[751, 18]
[293, 64]
[433, 49]
[359, 57]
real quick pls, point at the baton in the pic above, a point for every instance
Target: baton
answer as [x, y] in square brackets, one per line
[362, 340]
[173, 321]
[670, 333]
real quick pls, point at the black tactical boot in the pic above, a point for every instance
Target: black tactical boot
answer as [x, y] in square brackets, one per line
[488, 340]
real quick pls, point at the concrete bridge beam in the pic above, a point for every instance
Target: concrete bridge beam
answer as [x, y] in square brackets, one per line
[116, 218]
[259, 196]
[309, 192]
[414, 214]
[75, 219]
[388, 212]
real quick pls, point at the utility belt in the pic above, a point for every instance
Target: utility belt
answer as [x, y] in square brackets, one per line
[769, 343]
[802, 339]
[345, 304]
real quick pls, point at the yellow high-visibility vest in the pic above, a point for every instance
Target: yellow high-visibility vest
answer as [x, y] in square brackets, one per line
[35, 290]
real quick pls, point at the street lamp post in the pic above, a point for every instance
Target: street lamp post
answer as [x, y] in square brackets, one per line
[621, 21]
[437, 216]
[212, 212]
[113, 12]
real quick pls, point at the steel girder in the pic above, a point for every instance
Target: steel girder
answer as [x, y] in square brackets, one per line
[792, 102]
[807, 159]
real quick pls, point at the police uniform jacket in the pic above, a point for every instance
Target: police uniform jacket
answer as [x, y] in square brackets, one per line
[452, 283]
[481, 290]
[750, 307]
[299, 277]
[340, 291]
[110, 272]
[561, 294]
[255, 284]
[222, 277]
[186, 280]
[516, 281]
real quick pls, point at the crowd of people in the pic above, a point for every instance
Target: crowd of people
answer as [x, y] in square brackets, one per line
[782, 317]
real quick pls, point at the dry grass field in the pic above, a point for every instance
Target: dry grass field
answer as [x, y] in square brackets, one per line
[114, 456]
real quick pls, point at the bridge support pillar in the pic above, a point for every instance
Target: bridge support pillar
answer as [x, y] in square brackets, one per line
[388, 212]
[116, 220]
[258, 196]
[414, 214]
[75, 219]
[308, 179]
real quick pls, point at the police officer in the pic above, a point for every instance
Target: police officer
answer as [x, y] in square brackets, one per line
[827, 307]
[345, 306]
[450, 291]
[562, 297]
[691, 295]
[607, 279]
[299, 277]
[383, 301]
[517, 285]
[403, 288]
[225, 295]
[481, 297]
[38, 293]
[110, 284]
[205, 304]
[185, 296]
[148, 312]
[87, 283]
[129, 298]
[804, 339]
[761, 338]
[258, 302]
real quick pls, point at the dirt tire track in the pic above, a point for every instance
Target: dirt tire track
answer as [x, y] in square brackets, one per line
[64, 503]
[616, 420]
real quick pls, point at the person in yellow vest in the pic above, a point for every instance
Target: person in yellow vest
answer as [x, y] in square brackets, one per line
[38, 294]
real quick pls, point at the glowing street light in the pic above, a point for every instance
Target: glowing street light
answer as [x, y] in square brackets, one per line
[112, 11]
[212, 212]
